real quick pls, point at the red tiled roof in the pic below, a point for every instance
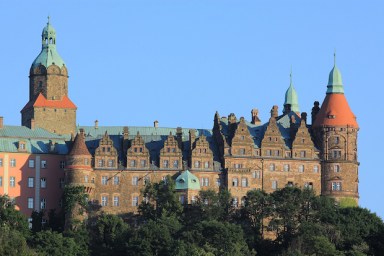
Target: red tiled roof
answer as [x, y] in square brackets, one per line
[41, 101]
[335, 111]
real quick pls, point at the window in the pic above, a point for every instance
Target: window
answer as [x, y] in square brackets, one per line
[1, 161]
[86, 178]
[104, 200]
[22, 146]
[241, 151]
[61, 183]
[176, 163]
[290, 184]
[235, 201]
[30, 202]
[336, 154]
[43, 182]
[116, 180]
[30, 182]
[218, 182]
[244, 182]
[336, 167]
[272, 167]
[135, 181]
[238, 166]
[135, 201]
[43, 203]
[256, 174]
[143, 163]
[111, 163]
[116, 201]
[193, 199]
[235, 182]
[100, 163]
[104, 180]
[205, 182]
[336, 186]
[197, 164]
[165, 163]
[308, 185]
[337, 140]
[31, 163]
[132, 163]
[12, 163]
[316, 169]
[1, 181]
[301, 168]
[274, 184]
[147, 180]
[302, 154]
[276, 153]
[286, 168]
[86, 161]
[206, 165]
[43, 164]
[288, 154]
[12, 181]
[182, 199]
[268, 152]
[30, 223]
[62, 164]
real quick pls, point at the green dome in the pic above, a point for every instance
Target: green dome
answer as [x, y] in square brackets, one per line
[335, 83]
[48, 54]
[292, 98]
[186, 180]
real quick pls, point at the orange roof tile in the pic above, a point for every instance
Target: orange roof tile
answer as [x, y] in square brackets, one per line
[335, 111]
[41, 101]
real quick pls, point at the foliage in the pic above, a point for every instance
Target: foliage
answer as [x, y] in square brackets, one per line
[347, 202]
[52, 243]
[74, 195]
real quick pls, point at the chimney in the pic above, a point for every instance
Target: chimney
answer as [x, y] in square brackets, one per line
[255, 116]
[192, 138]
[125, 132]
[1, 122]
[274, 111]
[96, 124]
[315, 110]
[304, 116]
[156, 124]
[82, 132]
[179, 137]
[32, 124]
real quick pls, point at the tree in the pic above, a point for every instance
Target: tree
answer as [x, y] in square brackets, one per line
[13, 243]
[12, 218]
[52, 243]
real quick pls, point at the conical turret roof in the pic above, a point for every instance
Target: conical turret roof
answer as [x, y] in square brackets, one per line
[79, 147]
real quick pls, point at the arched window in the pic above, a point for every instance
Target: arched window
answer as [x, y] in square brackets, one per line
[235, 182]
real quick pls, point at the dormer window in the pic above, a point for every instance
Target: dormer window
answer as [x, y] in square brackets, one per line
[22, 146]
[331, 116]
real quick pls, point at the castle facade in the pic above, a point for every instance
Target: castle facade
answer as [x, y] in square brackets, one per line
[49, 151]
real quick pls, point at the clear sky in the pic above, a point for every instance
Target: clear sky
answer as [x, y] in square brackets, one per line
[133, 62]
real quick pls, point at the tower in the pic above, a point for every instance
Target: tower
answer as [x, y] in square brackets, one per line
[335, 131]
[49, 106]
[291, 102]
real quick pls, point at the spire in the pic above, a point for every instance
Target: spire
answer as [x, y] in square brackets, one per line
[79, 147]
[48, 54]
[291, 98]
[335, 83]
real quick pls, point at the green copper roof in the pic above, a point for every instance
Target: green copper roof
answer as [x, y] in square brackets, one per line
[335, 83]
[48, 54]
[186, 180]
[291, 97]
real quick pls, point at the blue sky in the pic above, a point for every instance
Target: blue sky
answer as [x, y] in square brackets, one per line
[133, 62]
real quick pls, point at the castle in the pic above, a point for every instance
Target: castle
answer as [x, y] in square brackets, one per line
[49, 151]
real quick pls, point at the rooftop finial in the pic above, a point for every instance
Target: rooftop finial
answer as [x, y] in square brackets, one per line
[48, 20]
[290, 76]
[334, 58]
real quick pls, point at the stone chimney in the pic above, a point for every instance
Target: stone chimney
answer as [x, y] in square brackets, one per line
[304, 116]
[179, 137]
[82, 132]
[275, 111]
[156, 124]
[192, 138]
[32, 124]
[315, 110]
[1, 122]
[255, 116]
[96, 124]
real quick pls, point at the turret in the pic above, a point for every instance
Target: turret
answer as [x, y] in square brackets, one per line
[291, 102]
[335, 130]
